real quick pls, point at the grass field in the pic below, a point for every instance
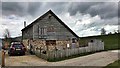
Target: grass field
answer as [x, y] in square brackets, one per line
[115, 64]
[111, 41]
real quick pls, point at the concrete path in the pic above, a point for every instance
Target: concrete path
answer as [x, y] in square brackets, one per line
[97, 59]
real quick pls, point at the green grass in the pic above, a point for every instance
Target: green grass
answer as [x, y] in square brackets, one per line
[110, 41]
[115, 64]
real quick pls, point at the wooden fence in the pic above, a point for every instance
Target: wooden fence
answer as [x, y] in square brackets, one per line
[92, 47]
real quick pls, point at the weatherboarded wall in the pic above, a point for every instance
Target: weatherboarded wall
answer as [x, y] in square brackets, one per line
[28, 33]
[54, 29]
[49, 27]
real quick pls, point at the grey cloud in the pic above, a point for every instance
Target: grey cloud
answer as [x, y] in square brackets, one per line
[0, 8]
[103, 9]
[20, 8]
[79, 7]
[34, 7]
[119, 9]
[58, 7]
[97, 25]
[12, 8]
[106, 10]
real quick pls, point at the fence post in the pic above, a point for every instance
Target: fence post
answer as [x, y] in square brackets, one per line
[3, 58]
[47, 55]
[40, 51]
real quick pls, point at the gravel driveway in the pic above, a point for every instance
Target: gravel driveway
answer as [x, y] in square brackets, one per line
[97, 59]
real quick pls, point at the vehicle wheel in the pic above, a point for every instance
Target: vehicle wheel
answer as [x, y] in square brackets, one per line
[23, 54]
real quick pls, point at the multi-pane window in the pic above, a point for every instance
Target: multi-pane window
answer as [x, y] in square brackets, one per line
[42, 32]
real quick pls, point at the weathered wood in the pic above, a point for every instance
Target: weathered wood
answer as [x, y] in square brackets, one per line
[49, 27]
[3, 58]
[92, 47]
[54, 30]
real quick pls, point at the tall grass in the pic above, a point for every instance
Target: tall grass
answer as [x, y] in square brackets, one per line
[111, 41]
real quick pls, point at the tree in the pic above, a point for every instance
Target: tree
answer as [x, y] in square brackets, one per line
[6, 38]
[6, 34]
[110, 33]
[118, 31]
[103, 31]
[115, 32]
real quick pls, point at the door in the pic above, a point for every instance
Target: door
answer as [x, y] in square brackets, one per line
[50, 43]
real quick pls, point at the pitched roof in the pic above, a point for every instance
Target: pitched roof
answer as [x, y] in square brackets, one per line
[41, 17]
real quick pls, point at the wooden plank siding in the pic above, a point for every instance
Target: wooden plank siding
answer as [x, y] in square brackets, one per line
[56, 29]
[49, 27]
[59, 33]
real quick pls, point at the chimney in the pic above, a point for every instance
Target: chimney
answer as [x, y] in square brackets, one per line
[24, 23]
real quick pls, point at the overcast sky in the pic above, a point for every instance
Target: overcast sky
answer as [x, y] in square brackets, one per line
[84, 18]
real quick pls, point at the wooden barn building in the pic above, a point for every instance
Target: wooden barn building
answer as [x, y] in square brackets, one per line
[49, 32]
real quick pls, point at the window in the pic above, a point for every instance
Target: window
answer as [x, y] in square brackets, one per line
[42, 32]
